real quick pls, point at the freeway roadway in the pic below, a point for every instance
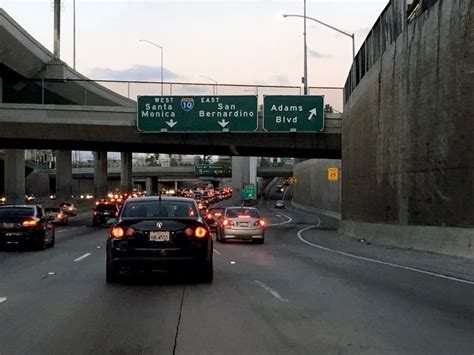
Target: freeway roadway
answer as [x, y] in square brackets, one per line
[305, 291]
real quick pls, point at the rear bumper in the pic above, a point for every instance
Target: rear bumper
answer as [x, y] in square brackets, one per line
[159, 259]
[19, 238]
[234, 233]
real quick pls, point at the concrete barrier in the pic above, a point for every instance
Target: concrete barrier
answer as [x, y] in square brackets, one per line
[441, 240]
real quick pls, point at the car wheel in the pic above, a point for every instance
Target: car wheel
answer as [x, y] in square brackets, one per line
[111, 273]
[40, 245]
[206, 273]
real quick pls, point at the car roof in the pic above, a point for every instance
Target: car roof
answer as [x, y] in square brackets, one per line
[19, 206]
[158, 198]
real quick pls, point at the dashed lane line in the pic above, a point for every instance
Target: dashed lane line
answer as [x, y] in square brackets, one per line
[271, 291]
[82, 257]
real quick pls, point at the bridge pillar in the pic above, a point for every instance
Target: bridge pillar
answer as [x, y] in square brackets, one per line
[244, 171]
[63, 174]
[14, 170]
[151, 185]
[100, 174]
[125, 172]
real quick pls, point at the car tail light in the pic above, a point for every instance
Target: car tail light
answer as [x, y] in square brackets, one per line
[227, 222]
[209, 215]
[200, 232]
[118, 232]
[243, 216]
[95, 213]
[29, 223]
[189, 232]
[116, 214]
[260, 223]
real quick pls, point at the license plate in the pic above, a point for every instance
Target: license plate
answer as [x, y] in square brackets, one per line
[159, 236]
[8, 225]
[244, 224]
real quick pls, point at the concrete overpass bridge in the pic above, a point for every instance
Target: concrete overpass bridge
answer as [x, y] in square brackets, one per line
[45, 104]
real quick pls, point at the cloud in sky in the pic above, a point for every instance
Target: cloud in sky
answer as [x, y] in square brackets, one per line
[136, 72]
[314, 54]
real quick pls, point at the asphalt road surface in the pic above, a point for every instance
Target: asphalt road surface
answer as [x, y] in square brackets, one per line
[305, 291]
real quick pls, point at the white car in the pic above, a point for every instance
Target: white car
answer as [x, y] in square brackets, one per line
[279, 204]
[68, 208]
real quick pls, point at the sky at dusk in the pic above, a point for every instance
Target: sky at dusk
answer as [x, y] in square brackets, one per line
[244, 42]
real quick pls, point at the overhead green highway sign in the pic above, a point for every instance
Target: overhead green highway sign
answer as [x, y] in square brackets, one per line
[197, 113]
[293, 113]
[215, 170]
[250, 192]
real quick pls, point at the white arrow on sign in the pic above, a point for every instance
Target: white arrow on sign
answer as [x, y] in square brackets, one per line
[171, 123]
[312, 113]
[223, 123]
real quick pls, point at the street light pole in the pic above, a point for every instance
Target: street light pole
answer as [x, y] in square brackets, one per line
[74, 34]
[214, 92]
[352, 36]
[160, 47]
[305, 55]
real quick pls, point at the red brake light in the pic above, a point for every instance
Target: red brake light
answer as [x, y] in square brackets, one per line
[227, 222]
[200, 232]
[209, 215]
[116, 214]
[95, 213]
[117, 232]
[189, 232]
[243, 216]
[29, 223]
[261, 223]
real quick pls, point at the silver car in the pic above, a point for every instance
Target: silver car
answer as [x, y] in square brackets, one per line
[244, 223]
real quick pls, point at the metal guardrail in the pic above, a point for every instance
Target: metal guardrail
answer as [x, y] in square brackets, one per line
[46, 90]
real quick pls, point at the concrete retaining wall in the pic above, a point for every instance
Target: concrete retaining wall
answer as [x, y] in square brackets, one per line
[408, 133]
[408, 152]
[313, 188]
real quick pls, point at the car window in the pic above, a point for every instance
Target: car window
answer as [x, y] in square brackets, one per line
[51, 209]
[17, 211]
[239, 212]
[150, 209]
[106, 207]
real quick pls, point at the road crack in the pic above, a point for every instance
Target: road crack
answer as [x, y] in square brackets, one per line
[179, 322]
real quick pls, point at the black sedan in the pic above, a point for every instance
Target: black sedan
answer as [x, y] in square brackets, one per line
[25, 225]
[159, 233]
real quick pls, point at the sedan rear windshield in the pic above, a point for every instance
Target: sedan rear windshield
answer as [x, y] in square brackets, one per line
[150, 209]
[16, 212]
[239, 212]
[104, 207]
[52, 209]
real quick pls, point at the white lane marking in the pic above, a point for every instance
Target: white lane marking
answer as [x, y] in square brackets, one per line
[398, 266]
[51, 273]
[281, 223]
[82, 257]
[216, 251]
[2, 299]
[82, 226]
[271, 291]
[61, 230]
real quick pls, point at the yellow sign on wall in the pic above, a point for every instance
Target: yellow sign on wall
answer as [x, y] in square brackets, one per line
[293, 180]
[333, 174]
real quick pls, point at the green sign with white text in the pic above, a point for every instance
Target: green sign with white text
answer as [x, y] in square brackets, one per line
[197, 113]
[250, 192]
[293, 113]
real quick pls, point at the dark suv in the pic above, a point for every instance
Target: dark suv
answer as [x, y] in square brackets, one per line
[103, 212]
[25, 225]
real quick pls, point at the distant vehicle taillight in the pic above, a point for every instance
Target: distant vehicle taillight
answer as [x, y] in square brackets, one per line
[260, 223]
[29, 223]
[227, 222]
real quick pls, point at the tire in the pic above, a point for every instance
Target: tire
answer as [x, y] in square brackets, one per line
[206, 273]
[111, 274]
[40, 245]
[53, 241]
